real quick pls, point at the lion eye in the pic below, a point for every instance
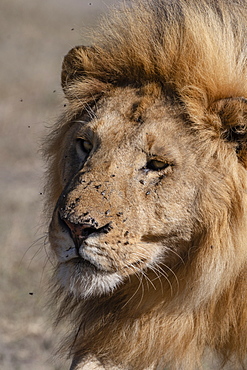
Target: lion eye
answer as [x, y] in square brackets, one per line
[84, 146]
[157, 165]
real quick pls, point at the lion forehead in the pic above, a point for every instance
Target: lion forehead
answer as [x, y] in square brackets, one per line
[124, 113]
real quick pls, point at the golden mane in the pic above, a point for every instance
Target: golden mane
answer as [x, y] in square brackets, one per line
[198, 45]
[196, 50]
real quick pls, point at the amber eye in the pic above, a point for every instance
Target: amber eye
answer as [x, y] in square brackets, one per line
[84, 146]
[156, 165]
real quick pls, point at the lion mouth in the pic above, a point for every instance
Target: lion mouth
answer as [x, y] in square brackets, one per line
[82, 260]
[84, 263]
[79, 262]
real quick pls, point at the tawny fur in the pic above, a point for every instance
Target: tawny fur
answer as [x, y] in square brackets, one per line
[177, 69]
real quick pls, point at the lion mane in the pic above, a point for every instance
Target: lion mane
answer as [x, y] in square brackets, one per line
[171, 286]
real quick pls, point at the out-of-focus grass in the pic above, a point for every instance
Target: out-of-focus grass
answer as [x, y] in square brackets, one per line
[34, 36]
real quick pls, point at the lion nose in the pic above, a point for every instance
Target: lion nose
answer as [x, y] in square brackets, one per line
[80, 231]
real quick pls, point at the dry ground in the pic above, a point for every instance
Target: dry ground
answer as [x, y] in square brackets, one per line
[34, 36]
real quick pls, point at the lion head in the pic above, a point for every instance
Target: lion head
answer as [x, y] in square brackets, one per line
[147, 187]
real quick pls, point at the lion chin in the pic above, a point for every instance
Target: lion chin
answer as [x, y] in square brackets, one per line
[83, 280]
[147, 189]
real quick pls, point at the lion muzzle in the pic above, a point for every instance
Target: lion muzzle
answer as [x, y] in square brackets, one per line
[80, 231]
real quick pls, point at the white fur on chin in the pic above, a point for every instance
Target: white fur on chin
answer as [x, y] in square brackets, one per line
[85, 282]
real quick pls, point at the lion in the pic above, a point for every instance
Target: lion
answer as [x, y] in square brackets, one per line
[147, 189]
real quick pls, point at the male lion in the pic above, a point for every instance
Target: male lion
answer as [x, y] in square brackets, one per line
[147, 178]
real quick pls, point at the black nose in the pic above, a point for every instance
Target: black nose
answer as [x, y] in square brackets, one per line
[81, 230]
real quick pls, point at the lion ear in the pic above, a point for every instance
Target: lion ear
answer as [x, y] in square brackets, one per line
[233, 116]
[76, 64]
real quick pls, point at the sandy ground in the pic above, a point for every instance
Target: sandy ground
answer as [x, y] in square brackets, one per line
[34, 36]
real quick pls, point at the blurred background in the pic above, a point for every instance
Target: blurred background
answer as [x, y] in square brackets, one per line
[34, 37]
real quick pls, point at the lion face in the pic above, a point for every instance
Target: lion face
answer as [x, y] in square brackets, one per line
[127, 206]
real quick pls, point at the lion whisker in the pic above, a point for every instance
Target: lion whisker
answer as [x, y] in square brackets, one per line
[160, 272]
[176, 254]
[173, 273]
[140, 278]
[134, 294]
[148, 279]
[32, 245]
